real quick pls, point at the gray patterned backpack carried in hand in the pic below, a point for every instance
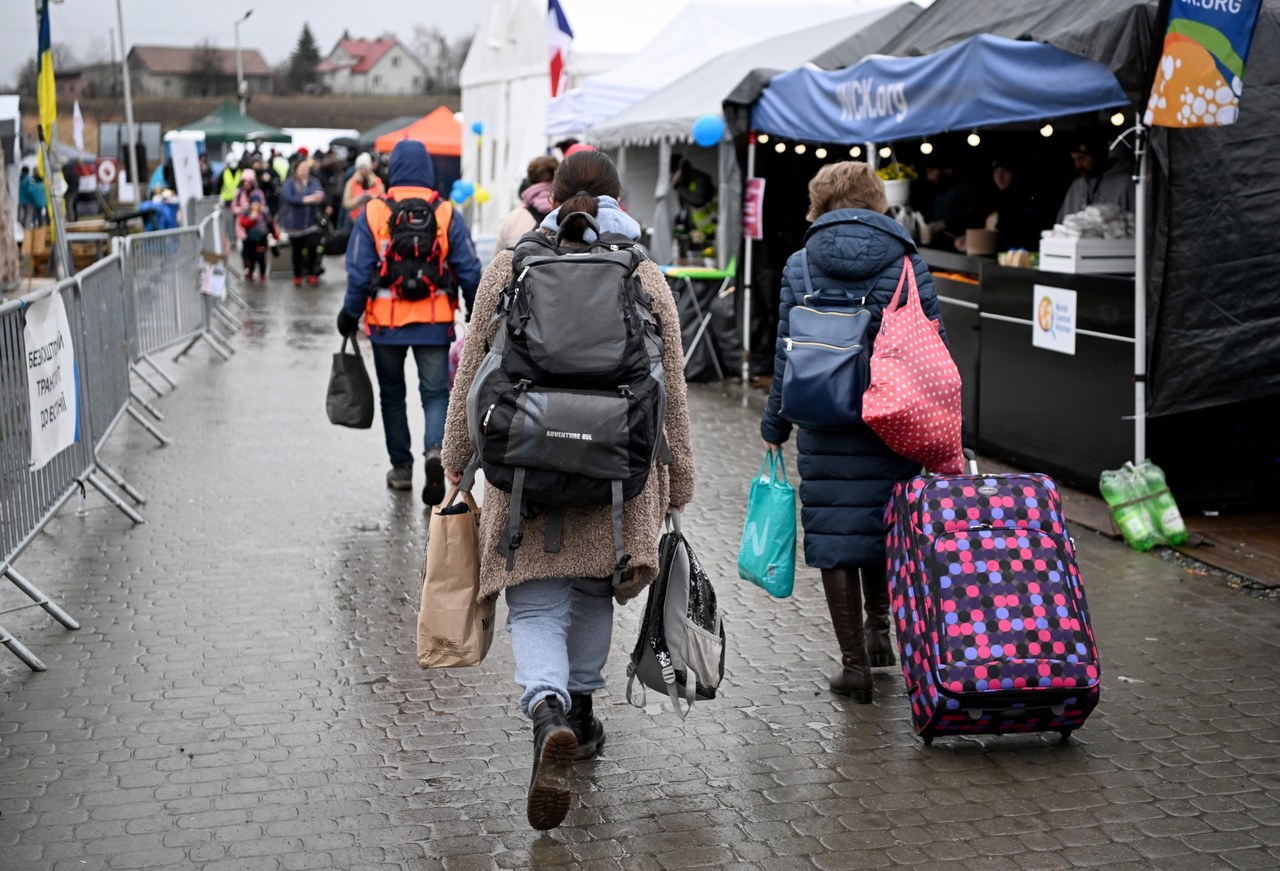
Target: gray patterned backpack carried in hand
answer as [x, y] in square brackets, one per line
[682, 642]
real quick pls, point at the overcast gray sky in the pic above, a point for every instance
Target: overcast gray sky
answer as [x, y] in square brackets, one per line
[273, 28]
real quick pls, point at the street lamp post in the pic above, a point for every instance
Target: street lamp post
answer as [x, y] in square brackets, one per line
[132, 163]
[241, 88]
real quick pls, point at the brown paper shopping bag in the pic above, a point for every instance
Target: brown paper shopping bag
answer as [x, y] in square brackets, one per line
[455, 626]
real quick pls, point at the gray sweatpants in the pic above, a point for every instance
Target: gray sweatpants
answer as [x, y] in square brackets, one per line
[561, 629]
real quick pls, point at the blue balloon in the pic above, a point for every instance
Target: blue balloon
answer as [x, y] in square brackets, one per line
[708, 130]
[461, 191]
[477, 127]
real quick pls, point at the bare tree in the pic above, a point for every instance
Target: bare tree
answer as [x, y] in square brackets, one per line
[207, 75]
[63, 59]
[27, 78]
[98, 51]
[432, 49]
[458, 51]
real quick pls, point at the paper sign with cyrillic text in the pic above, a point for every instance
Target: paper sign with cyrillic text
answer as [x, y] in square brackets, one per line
[51, 379]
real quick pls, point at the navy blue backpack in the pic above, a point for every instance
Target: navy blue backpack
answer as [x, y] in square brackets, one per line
[828, 362]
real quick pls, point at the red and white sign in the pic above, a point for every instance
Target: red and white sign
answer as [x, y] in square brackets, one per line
[753, 209]
[108, 169]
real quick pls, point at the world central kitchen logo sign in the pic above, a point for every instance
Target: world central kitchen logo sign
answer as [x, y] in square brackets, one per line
[864, 100]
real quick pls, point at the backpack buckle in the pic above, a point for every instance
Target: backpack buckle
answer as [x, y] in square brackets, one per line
[623, 563]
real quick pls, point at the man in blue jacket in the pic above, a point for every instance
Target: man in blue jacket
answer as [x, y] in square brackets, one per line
[398, 323]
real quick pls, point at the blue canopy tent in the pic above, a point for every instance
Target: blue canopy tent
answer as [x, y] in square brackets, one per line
[981, 82]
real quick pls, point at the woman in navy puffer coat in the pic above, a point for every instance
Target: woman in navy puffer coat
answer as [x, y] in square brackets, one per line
[847, 476]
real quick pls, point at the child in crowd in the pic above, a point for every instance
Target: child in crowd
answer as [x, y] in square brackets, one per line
[256, 226]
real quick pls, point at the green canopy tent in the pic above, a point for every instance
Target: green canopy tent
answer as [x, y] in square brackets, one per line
[225, 125]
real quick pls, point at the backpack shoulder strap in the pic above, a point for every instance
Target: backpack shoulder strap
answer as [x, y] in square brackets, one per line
[815, 297]
[621, 558]
[530, 244]
[612, 241]
[804, 270]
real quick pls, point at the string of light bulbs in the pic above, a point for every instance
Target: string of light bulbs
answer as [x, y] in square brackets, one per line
[926, 147]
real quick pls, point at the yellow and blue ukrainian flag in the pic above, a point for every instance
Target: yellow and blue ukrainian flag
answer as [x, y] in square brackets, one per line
[46, 90]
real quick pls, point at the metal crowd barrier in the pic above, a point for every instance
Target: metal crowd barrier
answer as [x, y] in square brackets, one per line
[105, 295]
[220, 322]
[165, 302]
[121, 311]
[211, 215]
[29, 499]
[199, 208]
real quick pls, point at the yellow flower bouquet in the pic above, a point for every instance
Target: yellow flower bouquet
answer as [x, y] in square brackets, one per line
[897, 172]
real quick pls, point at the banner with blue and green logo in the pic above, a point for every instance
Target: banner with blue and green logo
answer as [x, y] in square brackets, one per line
[1201, 72]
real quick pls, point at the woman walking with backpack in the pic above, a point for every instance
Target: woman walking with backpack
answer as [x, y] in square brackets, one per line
[853, 254]
[561, 603]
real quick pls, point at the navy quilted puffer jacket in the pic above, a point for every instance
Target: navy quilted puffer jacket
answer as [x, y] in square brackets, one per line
[846, 477]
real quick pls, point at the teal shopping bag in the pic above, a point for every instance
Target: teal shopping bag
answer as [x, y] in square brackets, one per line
[767, 554]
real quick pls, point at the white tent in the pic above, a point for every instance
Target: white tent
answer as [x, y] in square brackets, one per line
[644, 133]
[703, 31]
[669, 113]
[506, 82]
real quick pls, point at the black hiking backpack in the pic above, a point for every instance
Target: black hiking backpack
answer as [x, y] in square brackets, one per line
[414, 267]
[567, 408]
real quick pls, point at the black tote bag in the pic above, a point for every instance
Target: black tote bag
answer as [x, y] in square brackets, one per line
[350, 398]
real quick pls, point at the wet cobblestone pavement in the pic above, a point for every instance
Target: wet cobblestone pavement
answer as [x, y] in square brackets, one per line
[244, 695]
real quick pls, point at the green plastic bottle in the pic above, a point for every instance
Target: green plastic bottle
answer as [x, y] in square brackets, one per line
[1163, 509]
[1120, 486]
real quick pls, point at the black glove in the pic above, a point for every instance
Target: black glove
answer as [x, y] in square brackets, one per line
[347, 325]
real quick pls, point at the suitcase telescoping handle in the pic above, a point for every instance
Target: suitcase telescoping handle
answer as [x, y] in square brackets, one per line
[969, 455]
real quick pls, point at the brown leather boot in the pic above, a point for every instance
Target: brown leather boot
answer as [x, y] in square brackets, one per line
[844, 599]
[875, 598]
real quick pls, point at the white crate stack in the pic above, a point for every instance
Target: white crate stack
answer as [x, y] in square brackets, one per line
[1109, 256]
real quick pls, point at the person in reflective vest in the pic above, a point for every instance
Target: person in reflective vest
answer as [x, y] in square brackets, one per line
[230, 183]
[363, 186]
[397, 325]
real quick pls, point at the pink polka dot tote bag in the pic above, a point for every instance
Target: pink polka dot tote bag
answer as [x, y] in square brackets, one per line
[913, 401]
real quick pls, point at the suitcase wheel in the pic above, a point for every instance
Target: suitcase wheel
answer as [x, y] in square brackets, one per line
[927, 739]
[1066, 736]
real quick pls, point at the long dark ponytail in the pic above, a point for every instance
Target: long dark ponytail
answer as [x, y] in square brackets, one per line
[581, 178]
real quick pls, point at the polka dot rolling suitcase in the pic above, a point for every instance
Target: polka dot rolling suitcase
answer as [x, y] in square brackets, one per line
[990, 614]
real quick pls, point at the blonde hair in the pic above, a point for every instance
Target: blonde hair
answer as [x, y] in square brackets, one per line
[845, 185]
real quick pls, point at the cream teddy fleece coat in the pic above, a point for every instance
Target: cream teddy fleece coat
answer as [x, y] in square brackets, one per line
[587, 542]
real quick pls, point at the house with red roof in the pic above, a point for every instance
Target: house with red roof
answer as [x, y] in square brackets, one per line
[371, 66]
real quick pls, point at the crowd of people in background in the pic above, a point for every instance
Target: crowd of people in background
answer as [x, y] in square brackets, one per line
[309, 200]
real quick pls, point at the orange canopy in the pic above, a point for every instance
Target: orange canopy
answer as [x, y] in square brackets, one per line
[439, 131]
